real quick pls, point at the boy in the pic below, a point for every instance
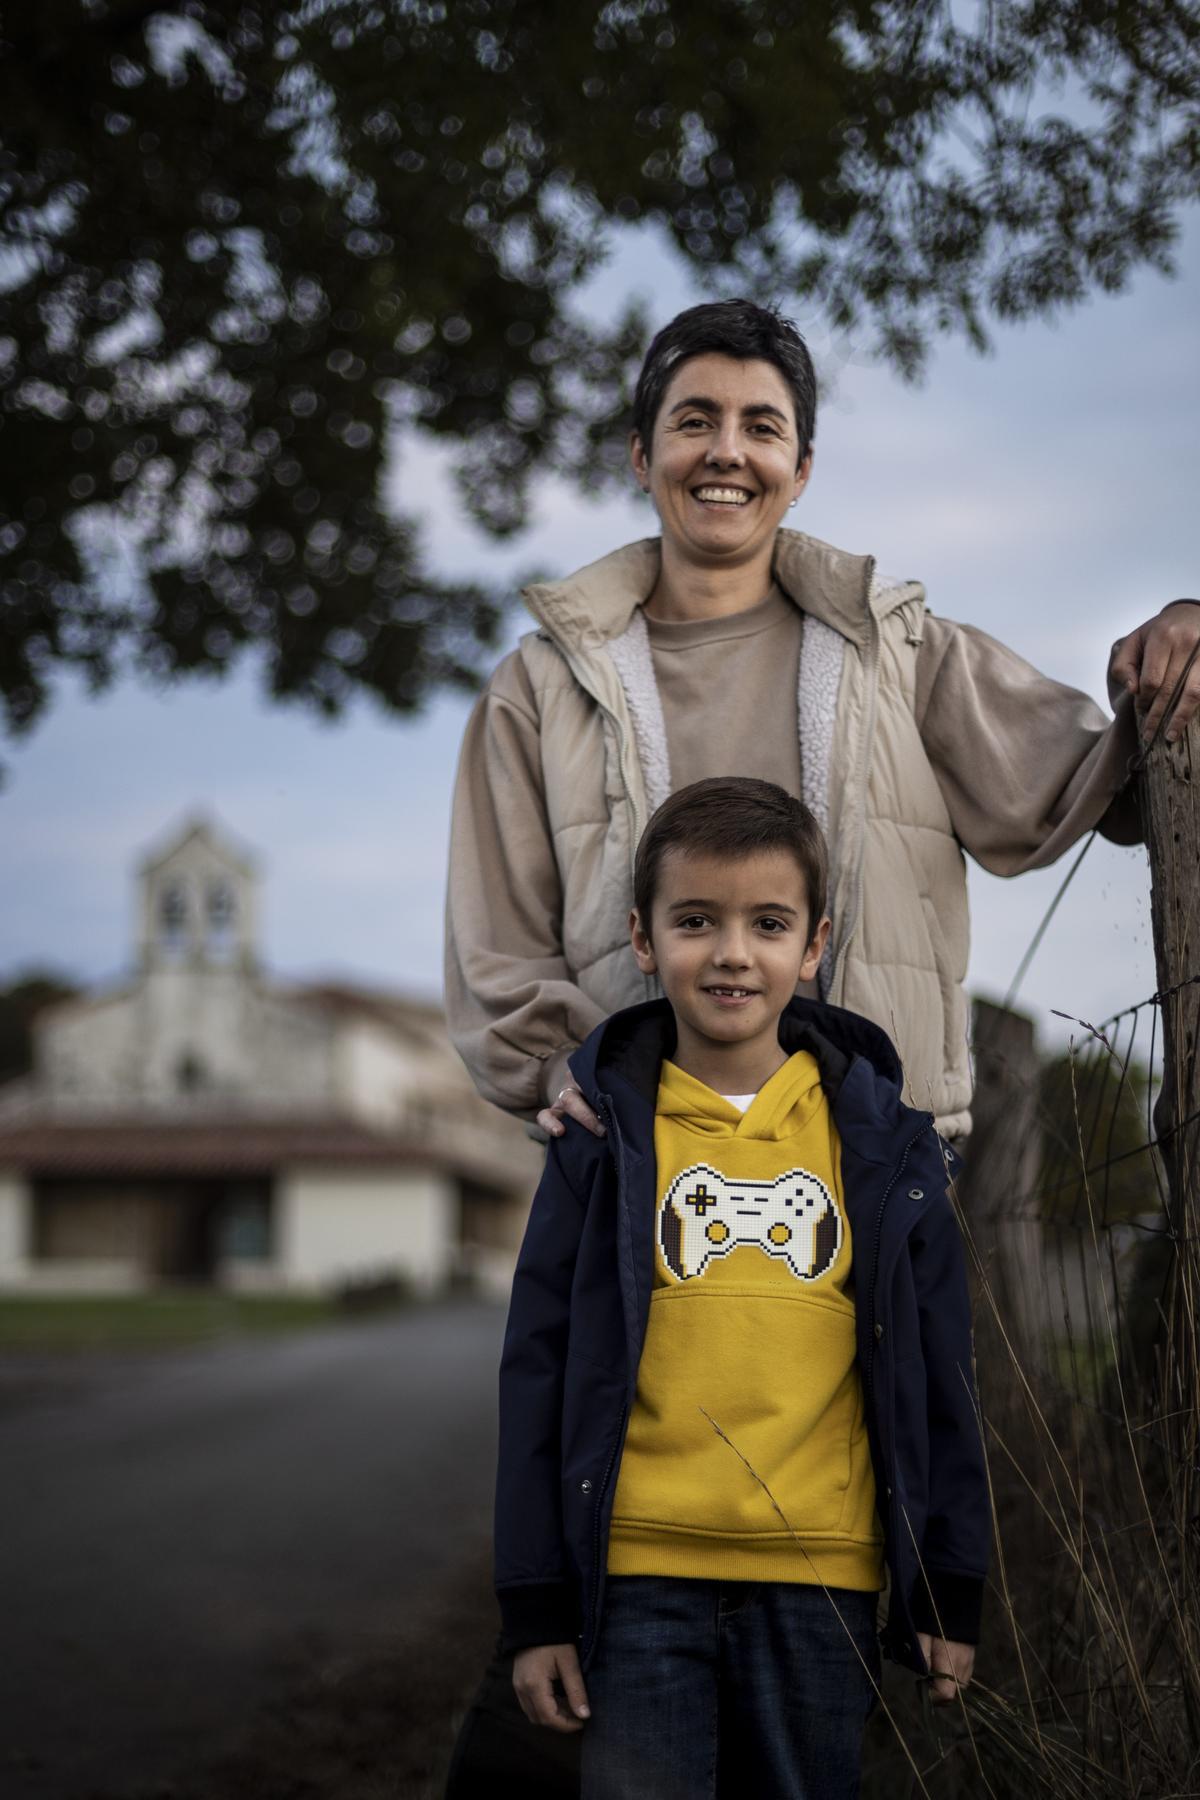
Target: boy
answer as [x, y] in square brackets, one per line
[736, 1383]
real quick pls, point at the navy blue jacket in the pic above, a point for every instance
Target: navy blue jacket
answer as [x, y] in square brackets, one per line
[581, 1298]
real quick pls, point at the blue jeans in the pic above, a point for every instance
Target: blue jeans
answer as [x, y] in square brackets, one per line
[707, 1689]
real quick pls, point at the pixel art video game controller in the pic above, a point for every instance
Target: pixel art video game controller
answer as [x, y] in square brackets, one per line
[704, 1215]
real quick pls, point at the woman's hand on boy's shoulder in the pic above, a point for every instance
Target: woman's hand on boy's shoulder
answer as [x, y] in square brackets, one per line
[951, 1666]
[569, 1104]
[549, 1686]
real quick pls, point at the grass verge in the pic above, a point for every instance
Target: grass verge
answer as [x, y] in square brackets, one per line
[50, 1325]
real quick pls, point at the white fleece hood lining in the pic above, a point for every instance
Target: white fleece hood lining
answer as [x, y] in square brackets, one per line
[821, 653]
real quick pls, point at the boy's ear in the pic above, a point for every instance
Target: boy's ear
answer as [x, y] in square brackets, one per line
[643, 949]
[815, 951]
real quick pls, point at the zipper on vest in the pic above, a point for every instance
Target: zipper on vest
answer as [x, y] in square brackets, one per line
[621, 738]
[631, 803]
[862, 775]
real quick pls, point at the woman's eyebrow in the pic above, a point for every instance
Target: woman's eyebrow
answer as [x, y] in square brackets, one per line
[702, 400]
[707, 404]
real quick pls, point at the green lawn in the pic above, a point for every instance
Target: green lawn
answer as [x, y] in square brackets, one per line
[118, 1322]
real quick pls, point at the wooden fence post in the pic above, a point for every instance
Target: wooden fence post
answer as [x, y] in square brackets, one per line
[1170, 801]
[998, 1186]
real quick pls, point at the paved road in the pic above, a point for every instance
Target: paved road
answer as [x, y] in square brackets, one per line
[178, 1540]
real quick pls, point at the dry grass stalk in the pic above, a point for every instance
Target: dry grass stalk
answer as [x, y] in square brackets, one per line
[1089, 1673]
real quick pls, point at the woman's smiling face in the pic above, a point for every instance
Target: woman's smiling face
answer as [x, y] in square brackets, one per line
[722, 468]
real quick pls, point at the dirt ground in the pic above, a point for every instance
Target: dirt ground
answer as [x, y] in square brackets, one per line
[273, 1553]
[374, 1720]
[381, 1730]
[385, 1729]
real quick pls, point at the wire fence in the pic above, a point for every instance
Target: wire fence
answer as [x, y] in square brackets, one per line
[1087, 1301]
[1097, 1190]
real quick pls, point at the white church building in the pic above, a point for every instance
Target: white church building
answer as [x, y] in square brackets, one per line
[205, 1124]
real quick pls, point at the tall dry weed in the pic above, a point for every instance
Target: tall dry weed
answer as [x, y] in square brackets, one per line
[1088, 1677]
[1087, 1682]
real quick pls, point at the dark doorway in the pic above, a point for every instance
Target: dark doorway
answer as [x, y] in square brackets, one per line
[168, 1231]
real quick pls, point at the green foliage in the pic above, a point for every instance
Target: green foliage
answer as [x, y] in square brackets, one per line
[20, 1003]
[241, 247]
[51, 1324]
[1095, 1116]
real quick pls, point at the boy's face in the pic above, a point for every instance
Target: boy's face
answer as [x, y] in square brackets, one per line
[729, 940]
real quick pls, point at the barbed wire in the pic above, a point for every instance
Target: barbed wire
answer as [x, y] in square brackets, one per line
[1098, 1193]
[1023, 966]
[1127, 1012]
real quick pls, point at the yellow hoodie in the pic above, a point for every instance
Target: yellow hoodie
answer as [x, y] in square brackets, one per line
[751, 1322]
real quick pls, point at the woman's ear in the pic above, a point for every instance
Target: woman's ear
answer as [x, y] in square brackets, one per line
[802, 475]
[643, 949]
[639, 462]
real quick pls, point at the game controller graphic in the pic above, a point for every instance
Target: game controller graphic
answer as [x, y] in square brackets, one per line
[704, 1215]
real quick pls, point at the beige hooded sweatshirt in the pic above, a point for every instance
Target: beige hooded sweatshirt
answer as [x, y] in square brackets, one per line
[919, 739]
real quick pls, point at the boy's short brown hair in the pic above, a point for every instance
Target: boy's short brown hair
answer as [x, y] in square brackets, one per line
[732, 816]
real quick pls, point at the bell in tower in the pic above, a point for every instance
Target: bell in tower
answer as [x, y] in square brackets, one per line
[198, 903]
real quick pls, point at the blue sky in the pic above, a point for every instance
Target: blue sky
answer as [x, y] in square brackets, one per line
[1045, 493]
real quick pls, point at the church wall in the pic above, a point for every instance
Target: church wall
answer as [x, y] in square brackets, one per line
[191, 1038]
[293, 1055]
[375, 1074]
[195, 1034]
[340, 1225]
[88, 1054]
[217, 1035]
[16, 1228]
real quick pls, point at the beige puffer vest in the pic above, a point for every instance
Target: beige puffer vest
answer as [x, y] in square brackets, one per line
[898, 894]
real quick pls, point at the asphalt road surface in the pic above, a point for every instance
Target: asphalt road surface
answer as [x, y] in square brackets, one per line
[180, 1539]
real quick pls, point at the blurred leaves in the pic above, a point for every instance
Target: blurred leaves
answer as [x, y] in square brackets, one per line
[20, 1003]
[243, 247]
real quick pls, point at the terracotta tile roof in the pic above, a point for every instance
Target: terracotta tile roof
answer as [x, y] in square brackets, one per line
[389, 1003]
[238, 1147]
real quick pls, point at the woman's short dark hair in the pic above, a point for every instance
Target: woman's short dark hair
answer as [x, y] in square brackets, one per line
[732, 816]
[735, 328]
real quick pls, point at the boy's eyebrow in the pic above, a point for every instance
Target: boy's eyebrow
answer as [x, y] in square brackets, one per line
[756, 409]
[777, 906]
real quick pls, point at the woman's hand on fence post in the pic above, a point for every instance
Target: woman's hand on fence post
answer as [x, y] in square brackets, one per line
[1153, 661]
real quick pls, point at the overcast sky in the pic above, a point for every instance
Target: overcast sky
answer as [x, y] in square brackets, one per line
[1046, 494]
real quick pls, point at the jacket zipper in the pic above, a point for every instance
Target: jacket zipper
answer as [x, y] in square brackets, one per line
[896, 1174]
[593, 1613]
[606, 1119]
[863, 775]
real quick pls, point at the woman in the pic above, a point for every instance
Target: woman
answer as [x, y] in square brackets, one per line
[732, 646]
